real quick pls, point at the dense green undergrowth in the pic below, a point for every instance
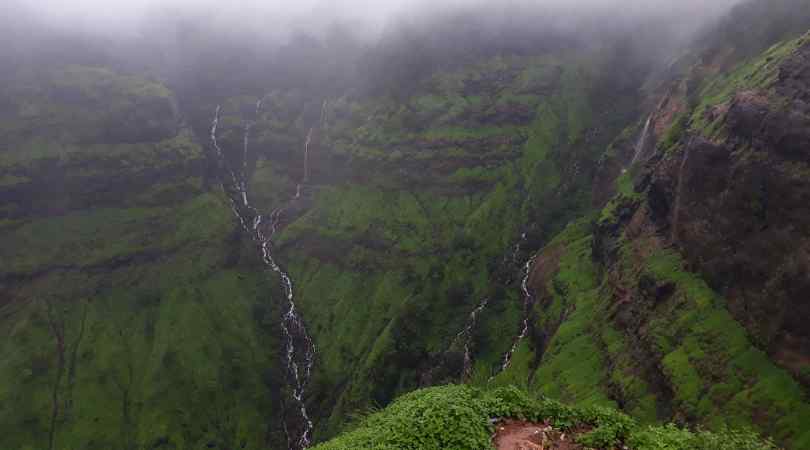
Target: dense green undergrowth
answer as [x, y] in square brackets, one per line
[132, 315]
[646, 333]
[139, 336]
[461, 418]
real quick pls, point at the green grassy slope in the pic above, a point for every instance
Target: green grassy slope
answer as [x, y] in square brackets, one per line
[412, 209]
[623, 319]
[133, 315]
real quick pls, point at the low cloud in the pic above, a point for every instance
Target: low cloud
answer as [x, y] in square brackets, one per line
[281, 17]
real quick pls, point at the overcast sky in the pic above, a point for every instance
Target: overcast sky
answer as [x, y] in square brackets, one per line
[126, 16]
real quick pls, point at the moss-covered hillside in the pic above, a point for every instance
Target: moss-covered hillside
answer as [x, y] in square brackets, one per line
[413, 208]
[129, 317]
[673, 302]
[523, 223]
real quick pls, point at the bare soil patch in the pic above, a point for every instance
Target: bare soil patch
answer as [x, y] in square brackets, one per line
[522, 435]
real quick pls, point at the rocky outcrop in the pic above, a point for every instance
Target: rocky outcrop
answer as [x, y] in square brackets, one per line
[736, 204]
[691, 283]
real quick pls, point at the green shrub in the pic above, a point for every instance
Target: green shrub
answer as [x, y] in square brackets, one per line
[670, 437]
[731, 440]
[434, 418]
[460, 417]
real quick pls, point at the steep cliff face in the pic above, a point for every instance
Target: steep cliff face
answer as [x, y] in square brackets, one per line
[129, 317]
[76, 137]
[671, 281]
[130, 285]
[408, 212]
[688, 288]
[733, 195]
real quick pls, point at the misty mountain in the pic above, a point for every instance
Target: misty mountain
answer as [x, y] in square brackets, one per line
[279, 225]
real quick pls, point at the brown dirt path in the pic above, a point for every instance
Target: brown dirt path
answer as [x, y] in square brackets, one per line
[521, 435]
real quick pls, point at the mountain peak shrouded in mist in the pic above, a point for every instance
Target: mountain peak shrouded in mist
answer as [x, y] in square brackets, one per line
[319, 43]
[277, 19]
[247, 224]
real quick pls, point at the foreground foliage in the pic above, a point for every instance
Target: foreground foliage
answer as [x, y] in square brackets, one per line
[461, 417]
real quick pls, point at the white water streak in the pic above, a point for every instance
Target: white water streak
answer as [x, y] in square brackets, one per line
[527, 303]
[291, 324]
[214, 125]
[306, 154]
[324, 114]
[641, 144]
[466, 335]
[516, 250]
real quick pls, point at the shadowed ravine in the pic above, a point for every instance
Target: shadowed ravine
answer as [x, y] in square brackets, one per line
[299, 353]
[465, 336]
[527, 304]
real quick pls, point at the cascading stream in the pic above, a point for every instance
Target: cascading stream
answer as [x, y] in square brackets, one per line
[324, 113]
[517, 248]
[307, 142]
[642, 141]
[299, 348]
[465, 335]
[527, 303]
[306, 154]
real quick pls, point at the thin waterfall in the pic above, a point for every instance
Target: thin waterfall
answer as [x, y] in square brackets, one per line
[517, 248]
[244, 175]
[641, 144]
[465, 336]
[299, 353]
[306, 154]
[324, 113]
[214, 125]
[527, 303]
[320, 127]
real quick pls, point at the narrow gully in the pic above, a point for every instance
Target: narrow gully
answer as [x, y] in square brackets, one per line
[465, 336]
[527, 304]
[299, 354]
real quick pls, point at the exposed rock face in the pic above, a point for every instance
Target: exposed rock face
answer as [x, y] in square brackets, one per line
[691, 284]
[737, 206]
